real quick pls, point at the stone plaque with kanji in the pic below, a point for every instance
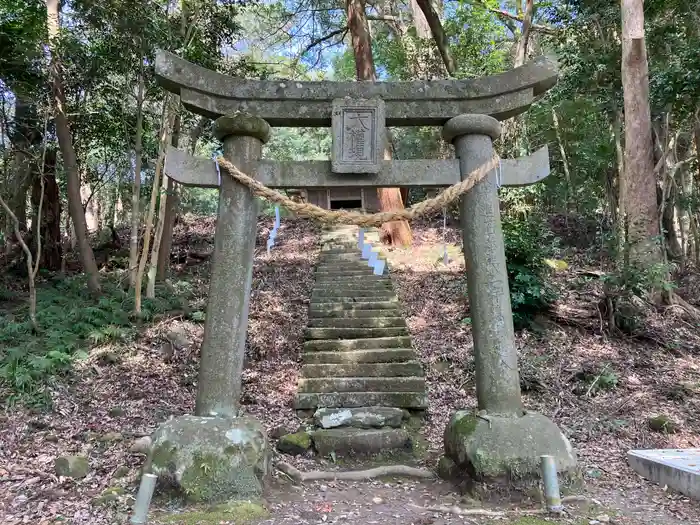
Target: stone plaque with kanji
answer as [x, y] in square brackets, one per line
[358, 135]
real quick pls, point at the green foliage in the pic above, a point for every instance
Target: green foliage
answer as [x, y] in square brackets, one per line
[629, 289]
[299, 144]
[528, 243]
[596, 379]
[70, 322]
[199, 201]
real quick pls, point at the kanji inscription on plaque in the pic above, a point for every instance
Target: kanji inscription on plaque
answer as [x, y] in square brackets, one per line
[358, 135]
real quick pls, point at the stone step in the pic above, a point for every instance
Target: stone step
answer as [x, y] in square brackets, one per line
[415, 400]
[360, 384]
[406, 369]
[353, 255]
[353, 279]
[357, 270]
[349, 357]
[351, 300]
[335, 273]
[357, 264]
[343, 262]
[341, 293]
[354, 289]
[370, 284]
[353, 305]
[360, 322]
[354, 314]
[376, 287]
[340, 248]
[353, 333]
[353, 442]
[369, 343]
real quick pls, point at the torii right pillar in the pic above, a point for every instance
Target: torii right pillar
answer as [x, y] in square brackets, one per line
[501, 440]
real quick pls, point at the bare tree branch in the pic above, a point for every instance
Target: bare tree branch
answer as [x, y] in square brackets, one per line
[439, 35]
[523, 41]
[321, 40]
[382, 18]
[519, 18]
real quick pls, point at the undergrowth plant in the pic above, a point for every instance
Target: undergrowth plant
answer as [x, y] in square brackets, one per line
[528, 243]
[70, 322]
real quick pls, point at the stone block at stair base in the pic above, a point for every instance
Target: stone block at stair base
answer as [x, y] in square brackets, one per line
[491, 447]
[210, 459]
[294, 444]
[366, 417]
[346, 442]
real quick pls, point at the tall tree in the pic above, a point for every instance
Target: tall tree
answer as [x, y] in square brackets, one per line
[395, 233]
[638, 200]
[65, 141]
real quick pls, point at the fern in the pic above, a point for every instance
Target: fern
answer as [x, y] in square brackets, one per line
[70, 321]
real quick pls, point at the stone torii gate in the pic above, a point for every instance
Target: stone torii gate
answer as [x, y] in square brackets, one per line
[502, 437]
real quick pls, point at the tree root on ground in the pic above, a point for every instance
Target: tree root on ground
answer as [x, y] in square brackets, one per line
[459, 511]
[691, 311]
[354, 475]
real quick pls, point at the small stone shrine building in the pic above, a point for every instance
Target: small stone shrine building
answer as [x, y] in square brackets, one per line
[344, 198]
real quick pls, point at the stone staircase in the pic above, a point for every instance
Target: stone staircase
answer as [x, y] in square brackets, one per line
[357, 351]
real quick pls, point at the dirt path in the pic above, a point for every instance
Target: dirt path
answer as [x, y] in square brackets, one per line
[404, 502]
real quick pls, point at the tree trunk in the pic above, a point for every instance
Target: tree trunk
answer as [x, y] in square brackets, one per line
[50, 214]
[617, 207]
[514, 129]
[165, 124]
[395, 233]
[564, 160]
[70, 161]
[169, 213]
[523, 41]
[432, 19]
[639, 182]
[136, 188]
[89, 200]
[666, 200]
[27, 134]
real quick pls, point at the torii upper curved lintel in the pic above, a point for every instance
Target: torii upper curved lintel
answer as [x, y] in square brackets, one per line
[295, 103]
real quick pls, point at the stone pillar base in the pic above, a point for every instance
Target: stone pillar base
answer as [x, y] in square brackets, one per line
[491, 447]
[211, 459]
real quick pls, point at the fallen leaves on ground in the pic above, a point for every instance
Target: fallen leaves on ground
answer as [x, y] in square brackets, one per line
[108, 404]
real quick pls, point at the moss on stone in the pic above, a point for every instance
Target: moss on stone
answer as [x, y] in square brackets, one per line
[163, 455]
[662, 423]
[296, 443]
[199, 480]
[492, 463]
[419, 445]
[238, 512]
[72, 466]
[466, 425]
[108, 495]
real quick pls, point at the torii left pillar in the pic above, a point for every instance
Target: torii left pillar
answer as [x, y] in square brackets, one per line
[223, 348]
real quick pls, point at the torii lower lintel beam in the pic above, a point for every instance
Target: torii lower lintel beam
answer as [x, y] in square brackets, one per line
[201, 171]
